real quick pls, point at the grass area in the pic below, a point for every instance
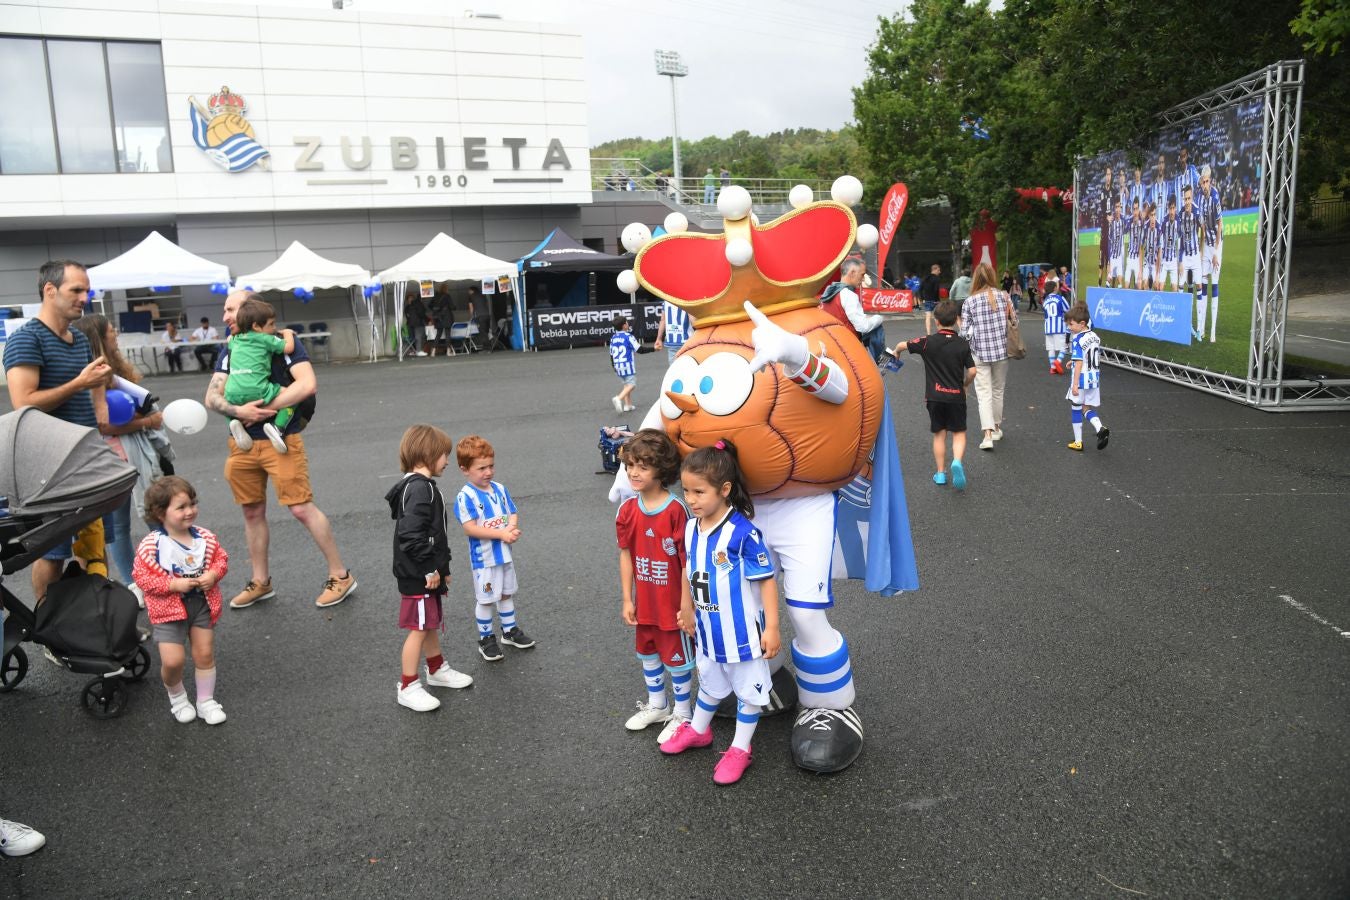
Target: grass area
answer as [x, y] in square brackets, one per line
[1335, 370]
[1229, 353]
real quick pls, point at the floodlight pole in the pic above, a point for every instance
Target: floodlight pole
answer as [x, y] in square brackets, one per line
[668, 63]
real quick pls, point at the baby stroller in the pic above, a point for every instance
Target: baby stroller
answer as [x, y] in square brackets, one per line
[57, 478]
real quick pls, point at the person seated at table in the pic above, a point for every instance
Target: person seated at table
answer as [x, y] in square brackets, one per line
[205, 332]
[174, 346]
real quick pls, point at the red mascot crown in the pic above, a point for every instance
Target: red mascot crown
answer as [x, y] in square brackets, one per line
[777, 267]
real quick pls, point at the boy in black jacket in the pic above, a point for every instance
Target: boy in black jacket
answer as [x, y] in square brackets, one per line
[422, 563]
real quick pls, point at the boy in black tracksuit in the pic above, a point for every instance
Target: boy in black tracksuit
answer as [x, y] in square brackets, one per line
[422, 563]
[948, 367]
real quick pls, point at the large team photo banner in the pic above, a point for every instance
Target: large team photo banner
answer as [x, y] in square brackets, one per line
[1166, 240]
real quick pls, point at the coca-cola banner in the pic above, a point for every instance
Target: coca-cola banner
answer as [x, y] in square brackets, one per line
[887, 301]
[892, 209]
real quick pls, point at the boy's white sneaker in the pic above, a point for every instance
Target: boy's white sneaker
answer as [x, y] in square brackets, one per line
[448, 678]
[647, 715]
[240, 435]
[274, 435]
[416, 698]
[17, 839]
[671, 727]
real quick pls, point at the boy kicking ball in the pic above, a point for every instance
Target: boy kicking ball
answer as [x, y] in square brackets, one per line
[1085, 389]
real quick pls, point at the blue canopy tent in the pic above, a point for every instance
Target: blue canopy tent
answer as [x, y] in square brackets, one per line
[560, 253]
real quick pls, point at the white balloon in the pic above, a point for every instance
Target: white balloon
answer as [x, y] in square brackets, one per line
[676, 223]
[635, 236]
[185, 416]
[739, 251]
[627, 281]
[868, 236]
[801, 195]
[734, 203]
[847, 190]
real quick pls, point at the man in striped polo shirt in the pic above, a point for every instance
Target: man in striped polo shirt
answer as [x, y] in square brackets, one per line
[48, 364]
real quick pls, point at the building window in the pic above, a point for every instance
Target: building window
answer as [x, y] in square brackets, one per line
[140, 124]
[108, 99]
[27, 142]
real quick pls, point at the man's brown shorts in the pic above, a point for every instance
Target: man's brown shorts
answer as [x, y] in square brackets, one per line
[247, 472]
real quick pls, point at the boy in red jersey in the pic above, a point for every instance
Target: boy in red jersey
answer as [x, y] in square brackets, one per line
[650, 530]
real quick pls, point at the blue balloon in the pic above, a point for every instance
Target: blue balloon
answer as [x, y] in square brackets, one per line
[159, 289]
[121, 408]
[299, 292]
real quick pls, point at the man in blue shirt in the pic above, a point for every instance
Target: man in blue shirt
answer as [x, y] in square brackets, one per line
[48, 364]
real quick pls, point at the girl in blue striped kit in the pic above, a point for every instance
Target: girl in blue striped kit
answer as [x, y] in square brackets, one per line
[731, 606]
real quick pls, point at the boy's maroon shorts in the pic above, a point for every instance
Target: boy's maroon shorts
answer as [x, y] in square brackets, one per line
[675, 648]
[420, 613]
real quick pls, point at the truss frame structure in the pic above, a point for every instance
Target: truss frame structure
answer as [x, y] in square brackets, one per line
[1280, 89]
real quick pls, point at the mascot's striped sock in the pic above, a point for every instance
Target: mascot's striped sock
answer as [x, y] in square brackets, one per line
[680, 682]
[747, 717]
[506, 611]
[824, 681]
[482, 613]
[654, 674]
[1077, 418]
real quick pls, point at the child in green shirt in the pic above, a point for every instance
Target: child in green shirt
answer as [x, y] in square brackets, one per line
[251, 350]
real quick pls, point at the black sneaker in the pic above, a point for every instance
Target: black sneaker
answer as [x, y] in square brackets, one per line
[1102, 437]
[516, 638]
[488, 649]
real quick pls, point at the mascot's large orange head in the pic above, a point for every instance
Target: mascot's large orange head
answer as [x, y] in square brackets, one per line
[792, 443]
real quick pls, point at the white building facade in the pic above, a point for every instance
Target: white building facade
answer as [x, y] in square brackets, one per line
[237, 129]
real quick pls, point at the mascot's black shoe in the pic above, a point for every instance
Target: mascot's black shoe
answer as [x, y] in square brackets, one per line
[826, 740]
[782, 697]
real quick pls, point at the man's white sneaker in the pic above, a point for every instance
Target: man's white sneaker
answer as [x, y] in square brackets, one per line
[987, 443]
[240, 435]
[671, 727]
[420, 353]
[647, 715]
[17, 839]
[998, 434]
[448, 678]
[416, 698]
[210, 711]
[274, 435]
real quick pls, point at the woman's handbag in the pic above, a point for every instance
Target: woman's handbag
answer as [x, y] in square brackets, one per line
[1016, 349]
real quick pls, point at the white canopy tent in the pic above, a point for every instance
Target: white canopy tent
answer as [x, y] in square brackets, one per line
[155, 261]
[301, 267]
[442, 259]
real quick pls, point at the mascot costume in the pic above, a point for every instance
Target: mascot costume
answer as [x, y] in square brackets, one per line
[803, 400]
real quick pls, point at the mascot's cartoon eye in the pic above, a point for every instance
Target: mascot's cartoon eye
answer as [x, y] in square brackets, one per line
[724, 383]
[680, 379]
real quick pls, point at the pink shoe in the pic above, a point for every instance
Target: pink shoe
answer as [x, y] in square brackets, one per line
[686, 737]
[732, 766]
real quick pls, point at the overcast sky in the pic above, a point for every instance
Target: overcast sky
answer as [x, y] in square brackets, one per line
[758, 65]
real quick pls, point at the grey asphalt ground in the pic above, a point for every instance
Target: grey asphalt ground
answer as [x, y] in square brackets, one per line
[1126, 674]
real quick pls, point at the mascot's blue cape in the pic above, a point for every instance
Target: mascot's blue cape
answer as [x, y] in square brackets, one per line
[872, 539]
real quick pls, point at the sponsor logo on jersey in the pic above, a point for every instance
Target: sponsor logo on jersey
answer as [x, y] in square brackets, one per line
[650, 533]
[763, 559]
[720, 560]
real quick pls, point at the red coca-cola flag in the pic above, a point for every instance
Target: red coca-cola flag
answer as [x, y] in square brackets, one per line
[892, 209]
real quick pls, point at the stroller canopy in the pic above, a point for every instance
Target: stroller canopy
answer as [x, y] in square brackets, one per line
[51, 466]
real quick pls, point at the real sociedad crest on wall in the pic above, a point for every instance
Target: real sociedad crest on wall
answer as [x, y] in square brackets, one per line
[223, 134]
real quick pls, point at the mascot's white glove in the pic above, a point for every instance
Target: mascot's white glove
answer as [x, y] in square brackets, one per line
[774, 344]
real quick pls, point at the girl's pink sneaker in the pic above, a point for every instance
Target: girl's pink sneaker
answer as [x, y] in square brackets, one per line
[686, 737]
[732, 766]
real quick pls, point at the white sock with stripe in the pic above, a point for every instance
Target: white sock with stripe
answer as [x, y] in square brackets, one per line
[653, 674]
[681, 680]
[747, 717]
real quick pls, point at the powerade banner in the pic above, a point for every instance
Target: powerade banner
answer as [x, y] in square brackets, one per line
[1160, 315]
[560, 327]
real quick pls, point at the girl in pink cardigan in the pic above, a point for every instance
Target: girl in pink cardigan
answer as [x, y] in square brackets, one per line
[178, 567]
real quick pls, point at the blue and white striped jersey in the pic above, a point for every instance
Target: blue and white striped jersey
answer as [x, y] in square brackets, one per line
[1158, 195]
[1211, 215]
[1189, 222]
[677, 326]
[1189, 176]
[1171, 237]
[1087, 349]
[1152, 234]
[490, 509]
[1054, 307]
[1138, 192]
[1115, 237]
[1136, 229]
[622, 347]
[721, 564]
